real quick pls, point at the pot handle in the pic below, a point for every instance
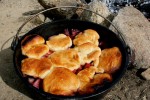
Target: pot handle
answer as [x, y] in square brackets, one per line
[17, 38]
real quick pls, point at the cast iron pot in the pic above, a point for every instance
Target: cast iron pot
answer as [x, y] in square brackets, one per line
[109, 39]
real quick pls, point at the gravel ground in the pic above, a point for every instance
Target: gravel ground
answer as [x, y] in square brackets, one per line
[130, 87]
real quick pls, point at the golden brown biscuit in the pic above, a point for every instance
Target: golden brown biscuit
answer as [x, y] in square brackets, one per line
[36, 67]
[87, 73]
[59, 42]
[98, 79]
[66, 58]
[85, 76]
[29, 41]
[37, 51]
[88, 35]
[88, 52]
[61, 81]
[110, 60]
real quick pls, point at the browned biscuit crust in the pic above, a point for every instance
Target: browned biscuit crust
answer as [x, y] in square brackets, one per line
[61, 81]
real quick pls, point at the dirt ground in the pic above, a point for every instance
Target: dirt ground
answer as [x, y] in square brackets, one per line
[130, 87]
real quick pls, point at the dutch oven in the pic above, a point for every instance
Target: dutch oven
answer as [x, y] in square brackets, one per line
[46, 30]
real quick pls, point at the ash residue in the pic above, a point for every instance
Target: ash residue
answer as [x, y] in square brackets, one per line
[142, 5]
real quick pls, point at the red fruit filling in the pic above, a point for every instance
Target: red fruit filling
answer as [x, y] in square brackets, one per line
[47, 54]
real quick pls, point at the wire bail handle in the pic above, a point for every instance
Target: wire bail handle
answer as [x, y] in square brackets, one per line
[16, 38]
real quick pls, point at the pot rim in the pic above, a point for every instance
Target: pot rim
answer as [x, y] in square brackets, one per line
[103, 90]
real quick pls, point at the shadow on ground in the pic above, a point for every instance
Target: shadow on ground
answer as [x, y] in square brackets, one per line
[8, 74]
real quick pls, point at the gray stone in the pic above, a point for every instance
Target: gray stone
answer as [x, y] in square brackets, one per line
[146, 74]
[60, 13]
[57, 3]
[136, 30]
[144, 98]
[41, 17]
[98, 7]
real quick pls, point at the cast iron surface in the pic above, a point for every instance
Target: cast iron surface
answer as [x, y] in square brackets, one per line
[46, 30]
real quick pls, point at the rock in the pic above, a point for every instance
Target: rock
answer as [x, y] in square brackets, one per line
[98, 7]
[41, 18]
[95, 5]
[57, 3]
[136, 30]
[146, 74]
[62, 13]
[144, 98]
